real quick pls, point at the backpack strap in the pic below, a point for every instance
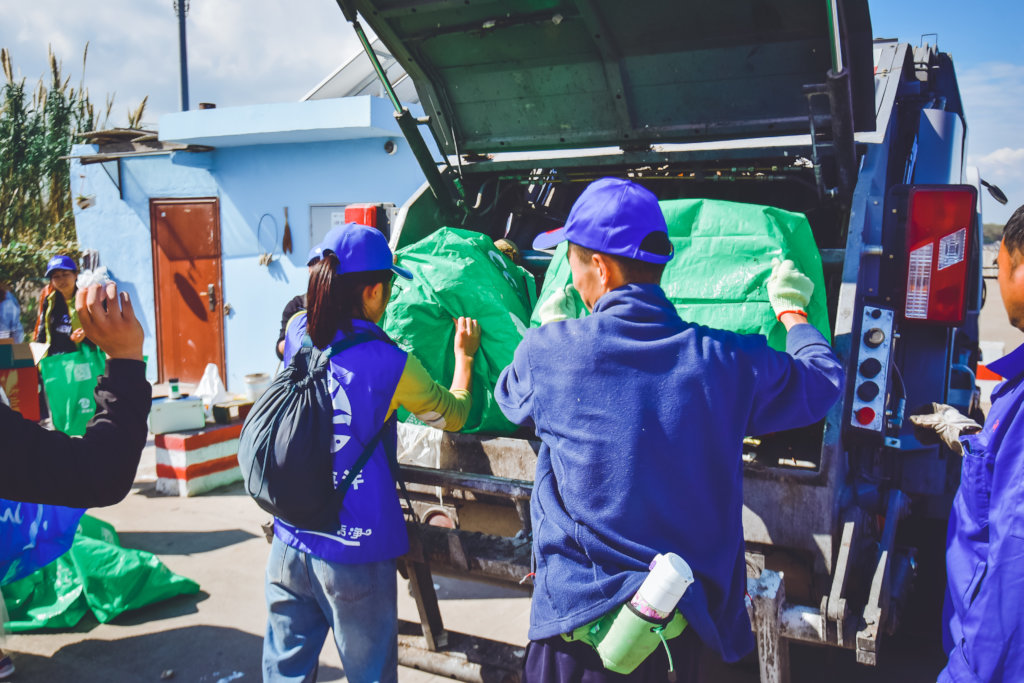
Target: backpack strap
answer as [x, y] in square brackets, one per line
[348, 342]
[319, 359]
[391, 449]
[360, 463]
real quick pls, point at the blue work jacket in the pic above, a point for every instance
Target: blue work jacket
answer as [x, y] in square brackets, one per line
[984, 625]
[642, 417]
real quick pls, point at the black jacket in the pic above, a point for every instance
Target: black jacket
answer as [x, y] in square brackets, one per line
[295, 305]
[41, 466]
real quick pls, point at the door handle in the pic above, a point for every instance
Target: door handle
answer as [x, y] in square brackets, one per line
[211, 297]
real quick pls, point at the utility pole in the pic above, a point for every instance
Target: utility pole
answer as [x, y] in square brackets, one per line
[181, 8]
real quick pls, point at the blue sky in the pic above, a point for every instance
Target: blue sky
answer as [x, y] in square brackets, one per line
[252, 51]
[984, 40]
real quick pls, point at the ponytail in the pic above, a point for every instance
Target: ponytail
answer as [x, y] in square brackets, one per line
[334, 301]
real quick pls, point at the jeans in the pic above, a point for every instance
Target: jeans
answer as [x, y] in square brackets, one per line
[307, 596]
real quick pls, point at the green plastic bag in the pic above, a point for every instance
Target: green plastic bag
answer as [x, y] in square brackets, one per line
[461, 273]
[70, 380]
[96, 574]
[723, 255]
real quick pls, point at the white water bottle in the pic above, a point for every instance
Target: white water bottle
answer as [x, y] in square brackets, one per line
[660, 592]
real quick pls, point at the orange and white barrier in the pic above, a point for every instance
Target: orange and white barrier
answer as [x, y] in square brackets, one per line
[192, 463]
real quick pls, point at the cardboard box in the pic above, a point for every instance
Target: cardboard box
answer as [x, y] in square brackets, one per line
[231, 411]
[22, 388]
[15, 355]
[177, 415]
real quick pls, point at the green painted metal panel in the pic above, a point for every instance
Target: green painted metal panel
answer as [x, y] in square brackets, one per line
[545, 74]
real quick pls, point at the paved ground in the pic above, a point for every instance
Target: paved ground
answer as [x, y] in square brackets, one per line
[217, 635]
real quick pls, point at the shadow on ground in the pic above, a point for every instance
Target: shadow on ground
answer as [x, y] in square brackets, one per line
[203, 654]
[183, 542]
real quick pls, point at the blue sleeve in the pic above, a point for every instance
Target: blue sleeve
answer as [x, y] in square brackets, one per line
[991, 647]
[514, 389]
[796, 388]
[293, 336]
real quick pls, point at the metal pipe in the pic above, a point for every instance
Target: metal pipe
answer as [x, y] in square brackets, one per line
[516, 489]
[182, 7]
[475, 660]
[834, 36]
[841, 105]
[368, 49]
[447, 198]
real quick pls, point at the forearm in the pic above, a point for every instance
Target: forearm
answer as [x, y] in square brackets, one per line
[41, 466]
[463, 377]
[791, 319]
[429, 401]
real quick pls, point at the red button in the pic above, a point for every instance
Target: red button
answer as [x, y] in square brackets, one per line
[865, 415]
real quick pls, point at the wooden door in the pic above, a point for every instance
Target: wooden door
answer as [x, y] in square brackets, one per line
[187, 282]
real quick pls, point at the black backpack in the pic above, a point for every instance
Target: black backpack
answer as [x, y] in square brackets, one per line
[284, 450]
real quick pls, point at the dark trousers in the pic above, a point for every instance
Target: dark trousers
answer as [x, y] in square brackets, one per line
[553, 660]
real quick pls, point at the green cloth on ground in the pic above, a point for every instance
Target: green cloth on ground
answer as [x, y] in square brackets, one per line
[723, 258]
[96, 574]
[461, 273]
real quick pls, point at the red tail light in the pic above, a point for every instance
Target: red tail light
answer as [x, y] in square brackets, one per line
[940, 228]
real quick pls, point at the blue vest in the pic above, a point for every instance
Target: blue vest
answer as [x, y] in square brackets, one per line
[362, 382]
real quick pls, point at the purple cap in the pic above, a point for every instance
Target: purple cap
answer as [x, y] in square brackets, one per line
[359, 249]
[612, 216]
[60, 262]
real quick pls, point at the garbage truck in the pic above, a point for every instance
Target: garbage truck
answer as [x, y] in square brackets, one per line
[791, 104]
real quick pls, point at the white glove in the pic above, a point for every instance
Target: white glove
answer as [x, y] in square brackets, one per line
[948, 423]
[789, 290]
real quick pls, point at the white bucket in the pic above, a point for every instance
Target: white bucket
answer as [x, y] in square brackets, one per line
[256, 384]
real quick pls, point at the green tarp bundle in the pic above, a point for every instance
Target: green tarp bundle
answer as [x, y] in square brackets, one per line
[461, 273]
[96, 574]
[723, 255]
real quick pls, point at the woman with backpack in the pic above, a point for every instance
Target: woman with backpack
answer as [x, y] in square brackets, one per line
[346, 580]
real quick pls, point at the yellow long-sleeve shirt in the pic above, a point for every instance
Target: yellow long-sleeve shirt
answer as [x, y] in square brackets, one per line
[430, 402]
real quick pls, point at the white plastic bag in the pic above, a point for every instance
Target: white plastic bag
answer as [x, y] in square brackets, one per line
[210, 389]
[98, 276]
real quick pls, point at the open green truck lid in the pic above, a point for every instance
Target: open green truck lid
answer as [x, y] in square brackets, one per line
[518, 75]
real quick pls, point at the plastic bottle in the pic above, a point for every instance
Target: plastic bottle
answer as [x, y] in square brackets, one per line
[669, 578]
[174, 390]
[628, 635]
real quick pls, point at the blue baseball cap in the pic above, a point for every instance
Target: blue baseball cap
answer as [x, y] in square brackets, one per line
[60, 262]
[612, 216]
[359, 249]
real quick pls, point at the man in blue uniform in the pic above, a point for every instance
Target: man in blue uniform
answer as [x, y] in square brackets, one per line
[642, 417]
[984, 626]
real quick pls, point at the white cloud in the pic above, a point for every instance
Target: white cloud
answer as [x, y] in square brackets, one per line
[993, 96]
[1004, 162]
[240, 51]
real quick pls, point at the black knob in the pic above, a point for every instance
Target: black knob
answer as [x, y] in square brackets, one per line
[874, 337]
[876, 313]
[867, 391]
[871, 367]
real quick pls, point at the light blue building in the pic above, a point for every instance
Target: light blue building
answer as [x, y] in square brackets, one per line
[193, 224]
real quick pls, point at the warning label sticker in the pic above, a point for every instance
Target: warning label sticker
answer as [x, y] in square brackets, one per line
[951, 248]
